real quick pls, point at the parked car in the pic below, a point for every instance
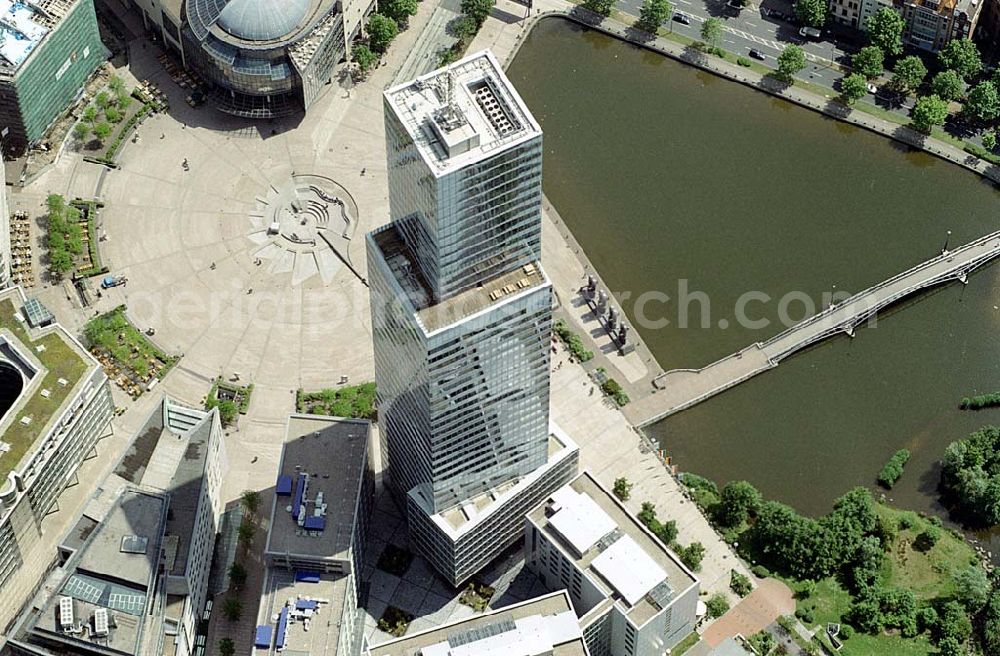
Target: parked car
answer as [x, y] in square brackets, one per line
[810, 33]
[682, 18]
[757, 54]
[872, 89]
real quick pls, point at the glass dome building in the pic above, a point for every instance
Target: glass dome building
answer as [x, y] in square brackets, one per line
[267, 59]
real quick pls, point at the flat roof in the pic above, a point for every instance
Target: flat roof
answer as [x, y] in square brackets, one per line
[544, 625]
[628, 563]
[462, 113]
[435, 316]
[63, 364]
[461, 519]
[113, 572]
[331, 452]
[322, 634]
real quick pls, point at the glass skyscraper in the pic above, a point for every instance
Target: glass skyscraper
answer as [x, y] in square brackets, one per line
[462, 314]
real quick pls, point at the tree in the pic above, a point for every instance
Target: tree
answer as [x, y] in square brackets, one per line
[60, 262]
[227, 647]
[232, 609]
[908, 74]
[464, 28]
[739, 583]
[124, 100]
[692, 555]
[972, 588]
[989, 140]
[991, 624]
[738, 500]
[113, 114]
[654, 13]
[90, 114]
[927, 538]
[869, 61]
[983, 102]
[622, 488]
[116, 84]
[399, 10]
[250, 500]
[947, 85]
[928, 112]
[102, 130]
[961, 56]
[853, 87]
[381, 31]
[244, 534]
[363, 57]
[103, 99]
[602, 7]
[811, 12]
[237, 575]
[717, 605]
[791, 60]
[893, 469]
[478, 10]
[885, 30]
[81, 131]
[953, 622]
[970, 476]
[711, 32]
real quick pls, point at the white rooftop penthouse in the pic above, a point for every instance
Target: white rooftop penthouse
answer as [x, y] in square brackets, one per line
[463, 113]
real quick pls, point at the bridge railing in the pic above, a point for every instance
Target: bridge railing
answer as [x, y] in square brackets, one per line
[885, 283]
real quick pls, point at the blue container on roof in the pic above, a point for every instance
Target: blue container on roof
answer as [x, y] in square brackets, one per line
[284, 486]
[262, 638]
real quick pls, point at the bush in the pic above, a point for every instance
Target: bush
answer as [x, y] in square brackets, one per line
[805, 614]
[981, 401]
[739, 583]
[760, 571]
[623, 488]
[394, 621]
[846, 631]
[572, 341]
[615, 391]
[237, 575]
[113, 114]
[692, 555]
[893, 469]
[232, 609]
[363, 57]
[907, 520]
[743, 61]
[381, 31]
[717, 605]
[227, 647]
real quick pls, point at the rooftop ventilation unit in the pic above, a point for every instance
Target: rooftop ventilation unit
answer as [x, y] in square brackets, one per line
[101, 622]
[66, 613]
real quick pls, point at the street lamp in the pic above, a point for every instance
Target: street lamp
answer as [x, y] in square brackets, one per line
[946, 240]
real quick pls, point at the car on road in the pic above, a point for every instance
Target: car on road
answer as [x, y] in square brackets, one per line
[757, 54]
[810, 33]
[682, 18]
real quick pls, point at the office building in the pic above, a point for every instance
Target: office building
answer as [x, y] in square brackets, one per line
[146, 536]
[545, 626]
[261, 59]
[324, 494]
[48, 50]
[55, 404]
[461, 314]
[107, 598]
[632, 594]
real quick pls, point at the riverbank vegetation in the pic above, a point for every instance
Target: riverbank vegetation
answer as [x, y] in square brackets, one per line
[893, 469]
[970, 477]
[981, 401]
[896, 582]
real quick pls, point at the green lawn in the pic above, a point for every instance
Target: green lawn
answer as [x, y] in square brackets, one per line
[113, 333]
[690, 641]
[62, 362]
[927, 574]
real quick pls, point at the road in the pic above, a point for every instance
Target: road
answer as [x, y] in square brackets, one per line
[750, 28]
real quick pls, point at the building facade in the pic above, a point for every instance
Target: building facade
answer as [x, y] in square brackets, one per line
[633, 596]
[60, 407]
[261, 59]
[461, 313]
[48, 50]
[931, 24]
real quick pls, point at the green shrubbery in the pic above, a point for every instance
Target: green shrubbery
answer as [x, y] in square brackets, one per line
[354, 401]
[572, 341]
[615, 391]
[970, 476]
[981, 401]
[717, 605]
[739, 583]
[893, 469]
[65, 235]
[665, 531]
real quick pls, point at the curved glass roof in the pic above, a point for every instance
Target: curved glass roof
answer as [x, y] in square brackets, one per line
[262, 20]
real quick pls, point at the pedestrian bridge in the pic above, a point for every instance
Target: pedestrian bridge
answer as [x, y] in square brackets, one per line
[679, 389]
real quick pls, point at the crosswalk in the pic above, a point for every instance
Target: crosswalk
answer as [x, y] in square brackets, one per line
[753, 38]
